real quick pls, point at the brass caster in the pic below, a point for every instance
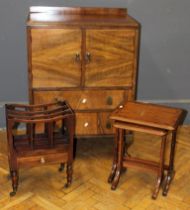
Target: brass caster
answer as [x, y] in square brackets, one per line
[13, 193]
[113, 187]
[67, 185]
[154, 197]
[164, 193]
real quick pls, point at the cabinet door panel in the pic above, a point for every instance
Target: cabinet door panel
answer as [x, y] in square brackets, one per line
[112, 57]
[56, 57]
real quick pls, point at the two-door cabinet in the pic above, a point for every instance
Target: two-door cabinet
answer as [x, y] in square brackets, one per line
[88, 56]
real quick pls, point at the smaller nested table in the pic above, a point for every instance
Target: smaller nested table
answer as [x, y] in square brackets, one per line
[152, 119]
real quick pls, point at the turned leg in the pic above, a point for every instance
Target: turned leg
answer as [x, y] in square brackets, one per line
[69, 174]
[14, 178]
[170, 173]
[69, 171]
[161, 168]
[114, 164]
[119, 159]
[61, 167]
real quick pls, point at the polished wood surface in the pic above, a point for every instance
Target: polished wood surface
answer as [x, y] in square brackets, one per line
[81, 11]
[67, 16]
[104, 123]
[147, 114]
[87, 56]
[111, 59]
[56, 55]
[32, 148]
[140, 128]
[89, 189]
[153, 119]
[86, 123]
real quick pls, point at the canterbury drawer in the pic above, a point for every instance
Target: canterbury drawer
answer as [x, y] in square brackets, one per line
[43, 159]
[82, 100]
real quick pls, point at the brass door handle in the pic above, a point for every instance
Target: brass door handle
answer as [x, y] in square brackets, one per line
[77, 57]
[88, 57]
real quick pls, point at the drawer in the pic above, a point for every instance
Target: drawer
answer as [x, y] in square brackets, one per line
[86, 124]
[89, 124]
[104, 123]
[84, 100]
[43, 159]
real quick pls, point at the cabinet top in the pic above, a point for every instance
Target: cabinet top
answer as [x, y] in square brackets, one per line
[56, 16]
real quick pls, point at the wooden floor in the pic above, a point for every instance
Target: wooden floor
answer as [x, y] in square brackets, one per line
[42, 187]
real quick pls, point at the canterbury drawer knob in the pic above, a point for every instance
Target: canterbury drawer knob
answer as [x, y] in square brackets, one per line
[84, 100]
[42, 160]
[86, 124]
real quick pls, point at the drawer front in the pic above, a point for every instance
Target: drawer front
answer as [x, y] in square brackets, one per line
[89, 124]
[104, 123]
[43, 159]
[84, 100]
[86, 124]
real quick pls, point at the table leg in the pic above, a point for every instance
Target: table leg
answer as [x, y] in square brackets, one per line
[14, 177]
[114, 164]
[170, 173]
[120, 142]
[161, 168]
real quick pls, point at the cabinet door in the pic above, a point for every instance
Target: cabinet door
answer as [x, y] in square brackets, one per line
[55, 57]
[110, 57]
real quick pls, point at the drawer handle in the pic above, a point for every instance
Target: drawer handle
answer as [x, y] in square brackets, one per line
[109, 100]
[42, 160]
[57, 99]
[108, 125]
[77, 57]
[84, 100]
[86, 124]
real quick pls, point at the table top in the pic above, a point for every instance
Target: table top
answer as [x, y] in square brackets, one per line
[157, 116]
